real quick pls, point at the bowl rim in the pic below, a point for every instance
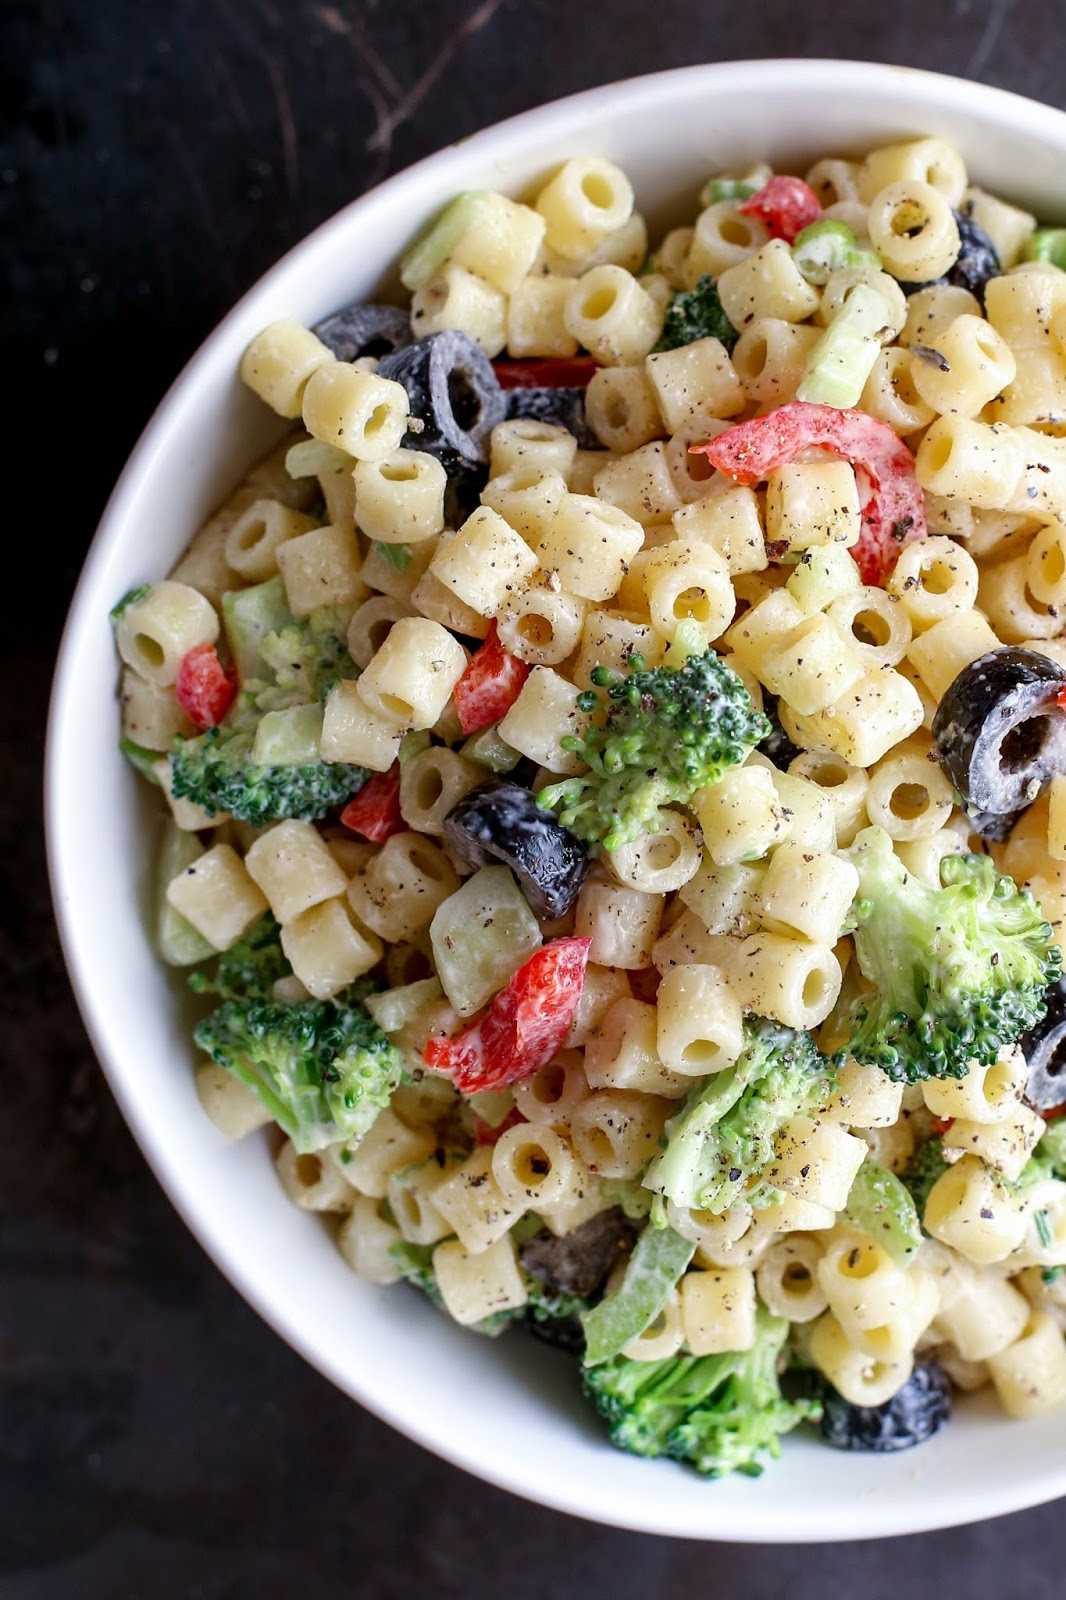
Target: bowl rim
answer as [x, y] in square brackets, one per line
[904, 87]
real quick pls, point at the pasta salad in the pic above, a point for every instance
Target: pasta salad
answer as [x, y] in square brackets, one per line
[612, 770]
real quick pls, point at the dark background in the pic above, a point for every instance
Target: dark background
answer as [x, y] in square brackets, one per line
[157, 1441]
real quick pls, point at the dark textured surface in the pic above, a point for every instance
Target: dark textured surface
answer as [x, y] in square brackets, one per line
[156, 1440]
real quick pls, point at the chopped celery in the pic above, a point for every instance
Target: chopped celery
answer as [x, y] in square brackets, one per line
[716, 189]
[489, 750]
[1047, 244]
[398, 556]
[146, 762]
[431, 249]
[312, 457]
[843, 358]
[881, 1207]
[393, 1009]
[492, 1105]
[412, 744]
[481, 935]
[659, 1258]
[825, 572]
[178, 942]
[248, 615]
[824, 247]
[689, 640]
[288, 738]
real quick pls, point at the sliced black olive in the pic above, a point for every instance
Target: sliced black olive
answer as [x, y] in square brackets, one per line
[999, 732]
[563, 407]
[995, 826]
[578, 1262]
[501, 821]
[564, 1333]
[976, 262]
[911, 1417]
[777, 746]
[1044, 1049]
[454, 392]
[365, 330]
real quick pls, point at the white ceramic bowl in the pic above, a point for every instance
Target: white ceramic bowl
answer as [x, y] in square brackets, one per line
[509, 1410]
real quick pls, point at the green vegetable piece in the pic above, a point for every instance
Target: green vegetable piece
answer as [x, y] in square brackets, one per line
[412, 744]
[249, 969]
[487, 749]
[721, 1138]
[141, 760]
[689, 640]
[313, 458]
[696, 314]
[924, 1168]
[659, 1258]
[1046, 244]
[958, 972]
[130, 598]
[717, 1414]
[178, 942]
[480, 936]
[1051, 1151]
[1043, 1229]
[322, 1068]
[881, 1206]
[288, 738]
[433, 247]
[393, 1009]
[823, 248]
[398, 556]
[667, 732]
[716, 189]
[842, 360]
[248, 616]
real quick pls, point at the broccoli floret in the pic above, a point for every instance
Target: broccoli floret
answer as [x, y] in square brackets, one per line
[216, 771]
[668, 732]
[959, 971]
[697, 314]
[249, 969]
[717, 1413]
[1051, 1151]
[722, 1138]
[322, 1068]
[261, 764]
[925, 1166]
[544, 1305]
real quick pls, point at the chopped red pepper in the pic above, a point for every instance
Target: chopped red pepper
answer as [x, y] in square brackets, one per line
[893, 512]
[942, 1124]
[489, 685]
[485, 1133]
[1056, 1111]
[204, 688]
[546, 373]
[375, 810]
[524, 1026]
[784, 206]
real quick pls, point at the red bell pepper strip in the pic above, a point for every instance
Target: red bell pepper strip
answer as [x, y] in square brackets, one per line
[375, 810]
[546, 373]
[489, 685]
[941, 1125]
[204, 688]
[893, 512]
[784, 206]
[524, 1026]
[485, 1133]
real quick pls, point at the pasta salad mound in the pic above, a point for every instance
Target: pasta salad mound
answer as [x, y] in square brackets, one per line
[612, 761]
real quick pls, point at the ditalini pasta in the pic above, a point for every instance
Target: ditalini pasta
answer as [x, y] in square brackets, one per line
[612, 763]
